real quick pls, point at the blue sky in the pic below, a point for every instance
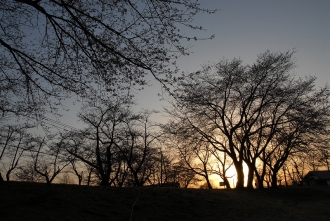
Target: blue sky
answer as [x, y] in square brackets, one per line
[244, 29]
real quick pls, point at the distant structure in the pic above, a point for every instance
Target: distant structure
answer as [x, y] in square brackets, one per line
[317, 178]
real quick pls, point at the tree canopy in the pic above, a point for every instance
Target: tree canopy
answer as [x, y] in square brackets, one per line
[253, 113]
[50, 49]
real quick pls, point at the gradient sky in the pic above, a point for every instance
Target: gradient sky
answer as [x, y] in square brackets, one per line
[244, 29]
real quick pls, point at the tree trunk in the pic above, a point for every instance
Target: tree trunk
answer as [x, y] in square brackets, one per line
[208, 182]
[260, 181]
[274, 179]
[105, 180]
[225, 180]
[80, 177]
[285, 180]
[240, 175]
[250, 175]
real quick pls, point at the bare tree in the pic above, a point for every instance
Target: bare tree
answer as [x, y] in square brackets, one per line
[223, 164]
[325, 158]
[302, 128]
[96, 145]
[27, 173]
[138, 146]
[15, 141]
[79, 174]
[251, 112]
[47, 160]
[192, 149]
[197, 157]
[51, 48]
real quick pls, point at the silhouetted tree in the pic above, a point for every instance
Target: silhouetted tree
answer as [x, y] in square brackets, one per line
[14, 142]
[77, 170]
[52, 48]
[27, 173]
[138, 146]
[96, 145]
[325, 158]
[48, 161]
[251, 112]
[302, 129]
[223, 164]
[197, 157]
[167, 169]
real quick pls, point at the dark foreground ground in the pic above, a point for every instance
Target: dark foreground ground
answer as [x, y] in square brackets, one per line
[28, 201]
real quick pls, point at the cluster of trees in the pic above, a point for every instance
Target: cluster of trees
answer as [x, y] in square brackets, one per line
[225, 115]
[54, 49]
[117, 148]
[51, 50]
[258, 115]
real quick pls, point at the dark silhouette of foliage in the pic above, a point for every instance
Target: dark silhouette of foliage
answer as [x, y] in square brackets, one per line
[50, 49]
[252, 112]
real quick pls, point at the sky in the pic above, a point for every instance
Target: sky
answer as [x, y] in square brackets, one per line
[244, 29]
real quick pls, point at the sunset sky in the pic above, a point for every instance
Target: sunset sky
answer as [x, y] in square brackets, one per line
[241, 29]
[244, 29]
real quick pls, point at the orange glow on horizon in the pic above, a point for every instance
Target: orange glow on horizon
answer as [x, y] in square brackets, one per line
[231, 172]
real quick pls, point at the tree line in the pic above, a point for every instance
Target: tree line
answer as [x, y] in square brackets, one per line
[225, 115]
[98, 52]
[258, 115]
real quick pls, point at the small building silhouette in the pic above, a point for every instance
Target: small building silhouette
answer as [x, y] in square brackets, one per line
[317, 178]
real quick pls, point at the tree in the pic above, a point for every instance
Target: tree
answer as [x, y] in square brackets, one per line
[325, 158]
[303, 127]
[14, 141]
[76, 171]
[223, 165]
[251, 112]
[137, 146]
[53, 48]
[96, 145]
[194, 152]
[27, 173]
[48, 161]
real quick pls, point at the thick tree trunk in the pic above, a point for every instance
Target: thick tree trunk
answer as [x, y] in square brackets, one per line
[250, 176]
[274, 179]
[105, 180]
[260, 182]
[240, 175]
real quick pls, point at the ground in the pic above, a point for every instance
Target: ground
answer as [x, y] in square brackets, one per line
[31, 201]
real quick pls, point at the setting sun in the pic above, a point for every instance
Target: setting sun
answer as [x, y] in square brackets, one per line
[232, 177]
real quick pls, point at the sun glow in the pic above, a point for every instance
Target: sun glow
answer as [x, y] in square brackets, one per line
[232, 177]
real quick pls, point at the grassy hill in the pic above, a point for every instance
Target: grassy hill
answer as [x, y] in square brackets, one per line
[31, 201]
